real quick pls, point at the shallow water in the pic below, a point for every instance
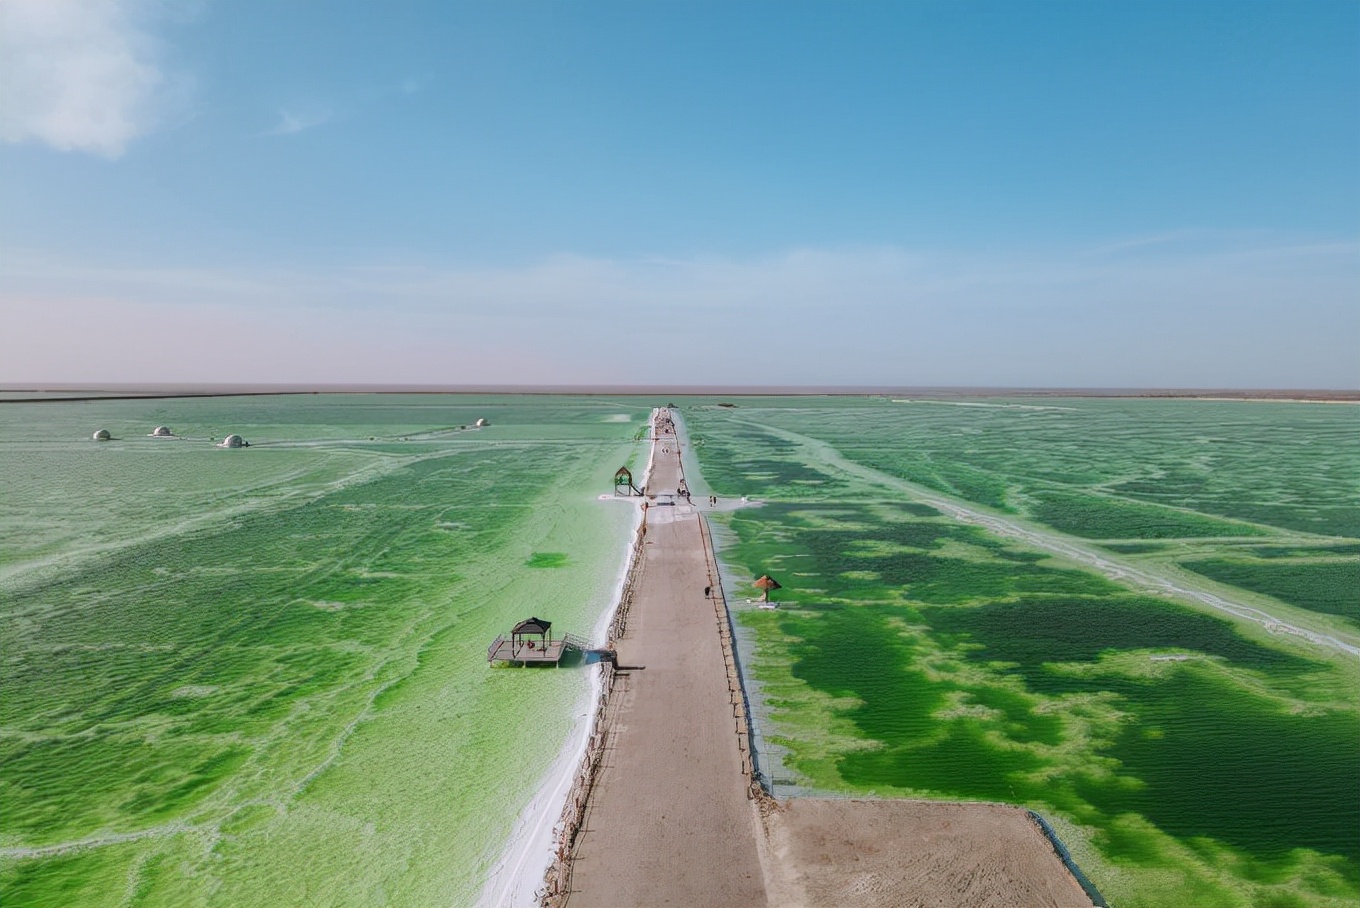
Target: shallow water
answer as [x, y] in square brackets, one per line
[1184, 755]
[258, 676]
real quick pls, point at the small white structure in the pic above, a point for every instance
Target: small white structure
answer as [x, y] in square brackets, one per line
[102, 435]
[162, 432]
[233, 441]
[481, 424]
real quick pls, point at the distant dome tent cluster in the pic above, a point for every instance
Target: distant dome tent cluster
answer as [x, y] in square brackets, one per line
[234, 440]
[231, 441]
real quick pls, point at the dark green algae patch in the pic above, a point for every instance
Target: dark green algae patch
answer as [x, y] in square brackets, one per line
[998, 677]
[1183, 759]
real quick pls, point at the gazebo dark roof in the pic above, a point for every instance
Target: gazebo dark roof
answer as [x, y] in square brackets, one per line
[532, 626]
[622, 471]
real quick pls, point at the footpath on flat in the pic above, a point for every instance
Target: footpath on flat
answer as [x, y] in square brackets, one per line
[670, 821]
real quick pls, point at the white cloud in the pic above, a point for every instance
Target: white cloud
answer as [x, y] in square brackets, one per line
[292, 122]
[79, 75]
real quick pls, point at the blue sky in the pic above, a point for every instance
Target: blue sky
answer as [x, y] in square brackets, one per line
[1026, 194]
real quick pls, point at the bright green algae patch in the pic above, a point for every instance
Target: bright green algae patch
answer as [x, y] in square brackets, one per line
[1185, 758]
[258, 676]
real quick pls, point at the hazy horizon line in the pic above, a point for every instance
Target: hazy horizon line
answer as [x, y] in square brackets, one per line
[139, 390]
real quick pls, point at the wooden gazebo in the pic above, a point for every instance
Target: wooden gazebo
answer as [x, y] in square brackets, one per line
[522, 633]
[531, 642]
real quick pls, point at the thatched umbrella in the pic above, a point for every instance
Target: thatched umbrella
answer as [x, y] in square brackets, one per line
[765, 584]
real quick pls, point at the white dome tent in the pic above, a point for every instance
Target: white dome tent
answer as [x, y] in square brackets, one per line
[233, 441]
[162, 432]
[102, 435]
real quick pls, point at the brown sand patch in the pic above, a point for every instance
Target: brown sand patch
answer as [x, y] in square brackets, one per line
[832, 852]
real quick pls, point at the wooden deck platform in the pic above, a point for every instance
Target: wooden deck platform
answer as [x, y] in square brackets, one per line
[505, 650]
